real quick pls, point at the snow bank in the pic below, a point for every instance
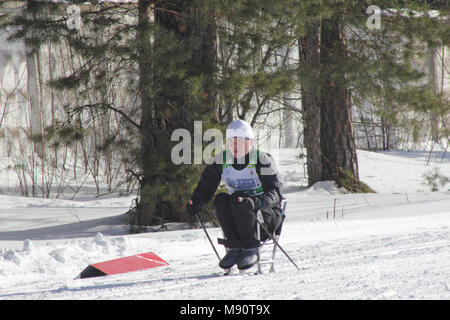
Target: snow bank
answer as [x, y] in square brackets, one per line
[325, 188]
[395, 258]
[11, 202]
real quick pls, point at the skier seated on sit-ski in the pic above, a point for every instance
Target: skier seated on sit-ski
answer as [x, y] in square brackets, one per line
[253, 183]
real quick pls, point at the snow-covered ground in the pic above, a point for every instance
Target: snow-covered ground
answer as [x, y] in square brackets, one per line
[394, 244]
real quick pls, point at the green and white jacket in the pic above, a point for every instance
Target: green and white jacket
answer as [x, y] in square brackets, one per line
[255, 174]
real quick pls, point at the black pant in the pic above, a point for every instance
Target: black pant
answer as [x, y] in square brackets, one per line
[238, 222]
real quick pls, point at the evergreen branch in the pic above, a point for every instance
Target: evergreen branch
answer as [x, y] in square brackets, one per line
[175, 13]
[110, 107]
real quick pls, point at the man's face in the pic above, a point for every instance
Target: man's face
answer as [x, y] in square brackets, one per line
[239, 147]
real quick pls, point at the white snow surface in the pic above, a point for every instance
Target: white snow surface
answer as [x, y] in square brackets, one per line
[394, 244]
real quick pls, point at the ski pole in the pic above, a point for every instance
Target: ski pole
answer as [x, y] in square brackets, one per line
[204, 229]
[271, 237]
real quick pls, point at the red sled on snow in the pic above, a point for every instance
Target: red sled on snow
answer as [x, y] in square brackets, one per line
[136, 262]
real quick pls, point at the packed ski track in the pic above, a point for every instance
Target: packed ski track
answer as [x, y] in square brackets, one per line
[394, 244]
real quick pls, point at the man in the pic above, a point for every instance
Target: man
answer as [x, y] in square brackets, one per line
[252, 182]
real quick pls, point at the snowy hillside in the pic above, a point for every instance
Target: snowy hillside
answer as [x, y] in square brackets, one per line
[390, 245]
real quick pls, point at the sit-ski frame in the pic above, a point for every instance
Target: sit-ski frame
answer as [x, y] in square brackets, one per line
[273, 239]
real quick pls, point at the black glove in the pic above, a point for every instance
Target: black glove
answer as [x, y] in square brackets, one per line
[193, 208]
[250, 202]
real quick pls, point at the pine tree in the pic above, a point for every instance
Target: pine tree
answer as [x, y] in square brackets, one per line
[162, 55]
[255, 38]
[359, 64]
[182, 91]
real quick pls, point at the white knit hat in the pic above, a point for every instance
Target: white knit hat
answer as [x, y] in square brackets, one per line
[240, 128]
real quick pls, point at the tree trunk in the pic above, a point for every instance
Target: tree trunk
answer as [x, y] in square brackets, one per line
[287, 127]
[310, 90]
[434, 79]
[146, 204]
[337, 142]
[34, 97]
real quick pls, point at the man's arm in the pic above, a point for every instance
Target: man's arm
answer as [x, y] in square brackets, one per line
[271, 182]
[208, 184]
